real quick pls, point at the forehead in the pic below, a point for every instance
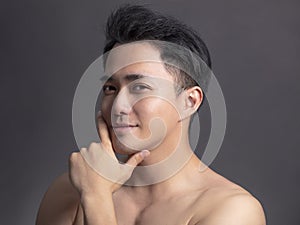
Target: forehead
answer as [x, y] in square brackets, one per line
[135, 58]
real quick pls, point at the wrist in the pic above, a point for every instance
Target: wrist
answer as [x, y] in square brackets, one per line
[94, 197]
[98, 208]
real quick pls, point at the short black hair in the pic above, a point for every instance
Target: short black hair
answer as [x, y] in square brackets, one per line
[130, 23]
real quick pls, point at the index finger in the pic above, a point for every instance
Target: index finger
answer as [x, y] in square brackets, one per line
[103, 131]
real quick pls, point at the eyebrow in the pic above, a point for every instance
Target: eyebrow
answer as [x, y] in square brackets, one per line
[128, 77]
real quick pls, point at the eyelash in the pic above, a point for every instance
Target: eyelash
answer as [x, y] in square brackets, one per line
[143, 87]
[110, 89]
[107, 92]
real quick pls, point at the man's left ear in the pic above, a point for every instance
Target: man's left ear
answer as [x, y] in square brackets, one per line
[193, 98]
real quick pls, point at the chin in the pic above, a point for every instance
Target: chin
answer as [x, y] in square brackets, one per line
[124, 150]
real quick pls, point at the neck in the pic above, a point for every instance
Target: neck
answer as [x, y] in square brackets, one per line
[187, 178]
[172, 160]
[175, 146]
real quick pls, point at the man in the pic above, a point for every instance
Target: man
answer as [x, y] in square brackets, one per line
[146, 108]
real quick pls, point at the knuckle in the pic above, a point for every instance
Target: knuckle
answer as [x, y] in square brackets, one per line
[73, 156]
[138, 158]
[83, 150]
[93, 145]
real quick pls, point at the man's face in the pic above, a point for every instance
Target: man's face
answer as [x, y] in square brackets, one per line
[139, 102]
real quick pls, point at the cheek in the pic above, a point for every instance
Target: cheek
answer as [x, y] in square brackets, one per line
[106, 105]
[150, 108]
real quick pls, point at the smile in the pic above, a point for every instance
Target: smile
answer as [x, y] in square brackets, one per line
[123, 128]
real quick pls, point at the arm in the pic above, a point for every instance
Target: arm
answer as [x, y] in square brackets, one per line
[240, 209]
[59, 204]
[81, 191]
[98, 209]
[96, 191]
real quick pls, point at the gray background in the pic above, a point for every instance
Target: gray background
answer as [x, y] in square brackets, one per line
[47, 45]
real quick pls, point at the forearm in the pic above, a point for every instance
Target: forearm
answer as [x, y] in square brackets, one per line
[98, 209]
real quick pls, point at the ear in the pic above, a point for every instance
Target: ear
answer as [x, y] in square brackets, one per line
[193, 98]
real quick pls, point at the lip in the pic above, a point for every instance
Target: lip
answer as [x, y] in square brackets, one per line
[120, 125]
[123, 128]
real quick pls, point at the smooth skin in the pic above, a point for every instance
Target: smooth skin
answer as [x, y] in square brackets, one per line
[189, 197]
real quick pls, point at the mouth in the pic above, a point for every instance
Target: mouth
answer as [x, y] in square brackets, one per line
[123, 128]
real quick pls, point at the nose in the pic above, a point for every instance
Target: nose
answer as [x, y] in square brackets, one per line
[122, 104]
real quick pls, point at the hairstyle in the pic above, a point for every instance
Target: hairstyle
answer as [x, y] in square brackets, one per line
[130, 23]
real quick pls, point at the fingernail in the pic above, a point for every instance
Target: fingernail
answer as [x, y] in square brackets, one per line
[145, 153]
[99, 113]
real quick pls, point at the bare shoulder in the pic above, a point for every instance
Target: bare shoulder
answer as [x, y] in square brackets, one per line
[60, 203]
[228, 203]
[239, 208]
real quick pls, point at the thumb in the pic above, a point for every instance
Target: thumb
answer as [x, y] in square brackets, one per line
[137, 158]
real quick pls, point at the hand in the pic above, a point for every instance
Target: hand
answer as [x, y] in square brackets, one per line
[86, 166]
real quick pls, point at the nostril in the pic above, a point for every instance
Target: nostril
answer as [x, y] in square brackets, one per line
[121, 107]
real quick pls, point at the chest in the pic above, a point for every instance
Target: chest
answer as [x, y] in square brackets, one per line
[162, 213]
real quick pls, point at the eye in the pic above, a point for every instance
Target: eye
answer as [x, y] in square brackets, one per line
[109, 89]
[140, 87]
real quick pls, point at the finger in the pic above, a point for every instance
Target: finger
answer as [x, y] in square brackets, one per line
[73, 158]
[96, 151]
[137, 158]
[103, 131]
[73, 162]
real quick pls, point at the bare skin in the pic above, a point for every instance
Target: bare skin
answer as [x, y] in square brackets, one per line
[207, 199]
[189, 197]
